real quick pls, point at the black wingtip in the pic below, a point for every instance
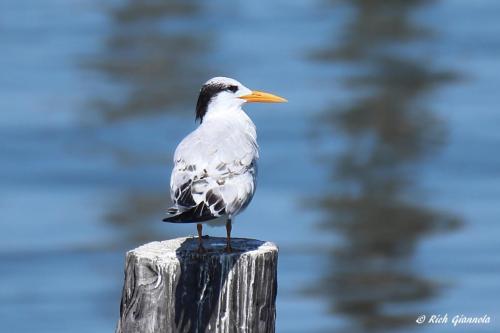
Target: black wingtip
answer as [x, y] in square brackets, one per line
[199, 213]
[178, 218]
[188, 218]
[173, 211]
[174, 217]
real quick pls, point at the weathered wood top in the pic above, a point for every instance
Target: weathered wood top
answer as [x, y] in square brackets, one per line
[173, 248]
[170, 287]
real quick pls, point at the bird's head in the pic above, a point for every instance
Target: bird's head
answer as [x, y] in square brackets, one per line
[222, 93]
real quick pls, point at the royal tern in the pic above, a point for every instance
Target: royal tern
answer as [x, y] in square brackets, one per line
[215, 166]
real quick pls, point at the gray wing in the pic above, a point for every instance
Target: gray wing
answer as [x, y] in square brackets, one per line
[214, 172]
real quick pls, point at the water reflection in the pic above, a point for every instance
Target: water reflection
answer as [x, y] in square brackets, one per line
[152, 62]
[152, 56]
[389, 131]
[131, 212]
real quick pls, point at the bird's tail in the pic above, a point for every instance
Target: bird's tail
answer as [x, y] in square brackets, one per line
[196, 214]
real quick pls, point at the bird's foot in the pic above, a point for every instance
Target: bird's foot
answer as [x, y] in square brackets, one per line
[228, 248]
[201, 249]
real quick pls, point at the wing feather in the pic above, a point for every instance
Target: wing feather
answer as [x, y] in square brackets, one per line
[216, 167]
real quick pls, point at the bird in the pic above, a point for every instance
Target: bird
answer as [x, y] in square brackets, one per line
[215, 166]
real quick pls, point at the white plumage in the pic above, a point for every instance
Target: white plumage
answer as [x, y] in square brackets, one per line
[215, 166]
[219, 157]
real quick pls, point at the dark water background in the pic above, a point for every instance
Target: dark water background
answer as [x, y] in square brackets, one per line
[379, 180]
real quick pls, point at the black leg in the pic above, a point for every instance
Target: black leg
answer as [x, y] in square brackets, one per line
[201, 249]
[229, 249]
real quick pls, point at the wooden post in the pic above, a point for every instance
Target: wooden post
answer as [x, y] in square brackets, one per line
[170, 287]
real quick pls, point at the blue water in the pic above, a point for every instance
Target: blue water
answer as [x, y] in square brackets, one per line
[378, 180]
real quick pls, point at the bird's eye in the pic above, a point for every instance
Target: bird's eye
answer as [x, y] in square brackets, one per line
[233, 88]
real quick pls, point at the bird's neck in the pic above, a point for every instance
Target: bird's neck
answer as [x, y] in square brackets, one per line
[226, 112]
[232, 117]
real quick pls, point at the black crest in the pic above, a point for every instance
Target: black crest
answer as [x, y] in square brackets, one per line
[207, 92]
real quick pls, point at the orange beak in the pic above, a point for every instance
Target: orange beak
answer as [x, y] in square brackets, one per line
[262, 97]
